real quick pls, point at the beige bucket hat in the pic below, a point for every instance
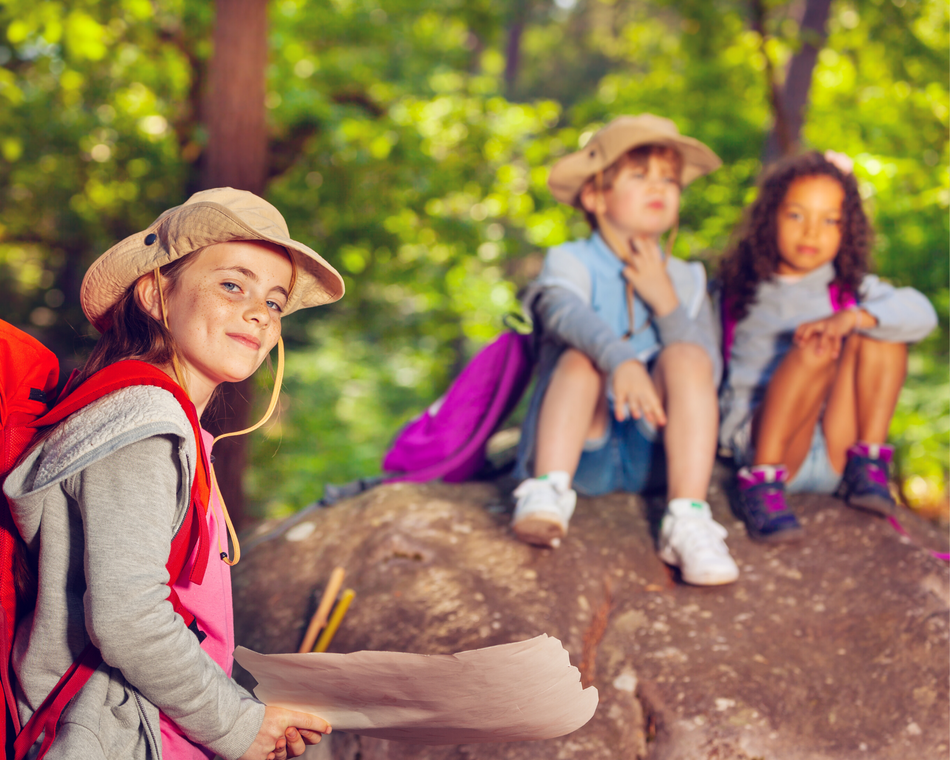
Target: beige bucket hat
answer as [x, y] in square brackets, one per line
[208, 217]
[569, 174]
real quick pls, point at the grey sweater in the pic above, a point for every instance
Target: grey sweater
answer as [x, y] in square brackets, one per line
[98, 504]
[764, 336]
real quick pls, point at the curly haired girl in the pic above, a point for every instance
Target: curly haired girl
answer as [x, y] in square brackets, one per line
[816, 347]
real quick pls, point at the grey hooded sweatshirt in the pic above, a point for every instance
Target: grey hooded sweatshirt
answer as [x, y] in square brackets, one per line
[98, 503]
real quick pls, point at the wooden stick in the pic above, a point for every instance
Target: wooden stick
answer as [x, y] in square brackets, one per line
[319, 618]
[335, 619]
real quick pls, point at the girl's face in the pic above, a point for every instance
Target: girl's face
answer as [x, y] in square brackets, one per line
[224, 311]
[643, 201]
[809, 224]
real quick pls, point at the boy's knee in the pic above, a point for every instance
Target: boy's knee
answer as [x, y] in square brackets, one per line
[686, 356]
[577, 364]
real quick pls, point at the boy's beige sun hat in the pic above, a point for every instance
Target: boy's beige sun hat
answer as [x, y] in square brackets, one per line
[208, 217]
[624, 133]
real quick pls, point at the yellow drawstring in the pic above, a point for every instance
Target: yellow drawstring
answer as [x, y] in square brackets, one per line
[275, 396]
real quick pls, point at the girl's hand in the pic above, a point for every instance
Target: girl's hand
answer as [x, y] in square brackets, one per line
[647, 273]
[285, 733]
[831, 331]
[633, 390]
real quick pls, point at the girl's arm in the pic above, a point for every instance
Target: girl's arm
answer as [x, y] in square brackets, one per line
[128, 501]
[903, 315]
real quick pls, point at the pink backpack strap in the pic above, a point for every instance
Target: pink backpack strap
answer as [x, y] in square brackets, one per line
[841, 299]
[728, 327]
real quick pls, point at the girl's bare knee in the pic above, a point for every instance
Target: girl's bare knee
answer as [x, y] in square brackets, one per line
[813, 355]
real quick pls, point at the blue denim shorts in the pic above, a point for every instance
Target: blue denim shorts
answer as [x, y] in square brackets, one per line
[816, 475]
[629, 457]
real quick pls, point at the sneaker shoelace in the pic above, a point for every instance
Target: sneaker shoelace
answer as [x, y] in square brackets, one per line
[696, 534]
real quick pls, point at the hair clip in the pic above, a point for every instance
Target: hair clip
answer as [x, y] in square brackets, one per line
[840, 161]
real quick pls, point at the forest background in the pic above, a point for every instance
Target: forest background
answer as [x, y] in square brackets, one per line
[409, 142]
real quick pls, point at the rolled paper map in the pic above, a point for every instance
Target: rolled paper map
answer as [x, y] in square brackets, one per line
[523, 691]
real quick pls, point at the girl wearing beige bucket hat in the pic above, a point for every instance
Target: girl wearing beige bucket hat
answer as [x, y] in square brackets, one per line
[626, 392]
[199, 295]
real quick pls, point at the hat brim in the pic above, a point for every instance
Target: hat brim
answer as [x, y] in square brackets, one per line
[189, 228]
[568, 175]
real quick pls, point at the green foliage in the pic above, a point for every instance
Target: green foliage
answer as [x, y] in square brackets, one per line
[408, 150]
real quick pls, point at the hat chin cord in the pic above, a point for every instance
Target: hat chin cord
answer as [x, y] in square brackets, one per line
[274, 398]
[622, 249]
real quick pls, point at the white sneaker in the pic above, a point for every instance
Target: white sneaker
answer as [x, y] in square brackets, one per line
[692, 541]
[544, 508]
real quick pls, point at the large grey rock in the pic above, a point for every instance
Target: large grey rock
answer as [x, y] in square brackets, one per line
[835, 647]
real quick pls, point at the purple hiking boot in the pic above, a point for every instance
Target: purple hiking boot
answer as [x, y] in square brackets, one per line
[760, 502]
[864, 483]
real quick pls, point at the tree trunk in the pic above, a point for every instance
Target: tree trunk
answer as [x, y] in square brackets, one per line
[789, 107]
[235, 156]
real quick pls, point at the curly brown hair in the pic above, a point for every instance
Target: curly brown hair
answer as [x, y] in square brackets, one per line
[754, 256]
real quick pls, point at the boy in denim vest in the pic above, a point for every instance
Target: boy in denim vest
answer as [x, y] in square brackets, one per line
[629, 365]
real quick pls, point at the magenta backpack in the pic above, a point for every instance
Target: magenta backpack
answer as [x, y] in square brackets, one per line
[840, 299]
[448, 440]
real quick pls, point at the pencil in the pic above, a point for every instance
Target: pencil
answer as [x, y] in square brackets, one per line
[324, 641]
[319, 618]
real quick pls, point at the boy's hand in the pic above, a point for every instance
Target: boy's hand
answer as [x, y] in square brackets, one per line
[285, 733]
[831, 331]
[647, 273]
[634, 391]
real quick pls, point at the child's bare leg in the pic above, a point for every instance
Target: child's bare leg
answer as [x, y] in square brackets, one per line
[574, 410]
[689, 537]
[684, 381]
[786, 420]
[864, 395]
[857, 419]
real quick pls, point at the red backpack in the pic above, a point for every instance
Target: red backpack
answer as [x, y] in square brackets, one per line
[28, 376]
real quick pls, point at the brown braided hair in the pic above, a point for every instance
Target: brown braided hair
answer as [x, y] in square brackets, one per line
[754, 256]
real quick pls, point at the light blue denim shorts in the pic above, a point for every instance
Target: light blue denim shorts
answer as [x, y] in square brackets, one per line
[816, 475]
[629, 457]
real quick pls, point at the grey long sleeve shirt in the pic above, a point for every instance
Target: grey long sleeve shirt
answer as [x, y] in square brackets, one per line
[764, 336]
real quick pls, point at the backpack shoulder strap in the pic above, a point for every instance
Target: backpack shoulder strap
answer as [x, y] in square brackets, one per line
[129, 373]
[728, 323]
[840, 299]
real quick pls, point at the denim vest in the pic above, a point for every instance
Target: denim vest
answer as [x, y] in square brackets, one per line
[609, 294]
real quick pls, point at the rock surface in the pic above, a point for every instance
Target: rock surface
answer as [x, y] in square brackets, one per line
[834, 647]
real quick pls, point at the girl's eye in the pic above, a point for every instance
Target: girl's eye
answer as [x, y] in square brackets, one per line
[833, 222]
[275, 306]
[231, 287]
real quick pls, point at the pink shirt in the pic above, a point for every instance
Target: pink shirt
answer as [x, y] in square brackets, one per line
[211, 604]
